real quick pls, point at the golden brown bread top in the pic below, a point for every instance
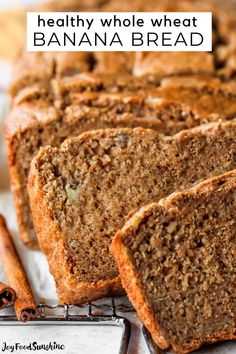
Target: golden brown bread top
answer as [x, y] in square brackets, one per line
[71, 79]
[220, 61]
[199, 99]
[64, 80]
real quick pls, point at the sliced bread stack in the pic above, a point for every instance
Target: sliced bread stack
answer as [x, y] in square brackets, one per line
[67, 109]
[59, 95]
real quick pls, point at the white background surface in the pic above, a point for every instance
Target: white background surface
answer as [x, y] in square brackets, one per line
[87, 340]
[19, 3]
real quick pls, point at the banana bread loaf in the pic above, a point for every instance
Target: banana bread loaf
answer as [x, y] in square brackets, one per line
[82, 192]
[59, 95]
[177, 262]
[177, 103]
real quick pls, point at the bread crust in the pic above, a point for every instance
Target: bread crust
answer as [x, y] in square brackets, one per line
[133, 285]
[52, 243]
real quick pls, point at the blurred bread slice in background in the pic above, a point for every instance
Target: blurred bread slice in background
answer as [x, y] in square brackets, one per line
[13, 23]
[12, 27]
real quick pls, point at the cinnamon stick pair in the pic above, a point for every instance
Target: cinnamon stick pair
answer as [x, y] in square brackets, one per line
[24, 304]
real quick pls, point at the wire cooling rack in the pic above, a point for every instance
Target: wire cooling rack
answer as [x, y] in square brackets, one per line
[152, 347]
[104, 314]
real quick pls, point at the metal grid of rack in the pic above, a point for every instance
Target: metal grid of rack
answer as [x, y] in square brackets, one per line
[105, 314]
[153, 349]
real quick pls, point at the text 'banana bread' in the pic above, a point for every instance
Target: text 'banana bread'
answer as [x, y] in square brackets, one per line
[177, 261]
[82, 192]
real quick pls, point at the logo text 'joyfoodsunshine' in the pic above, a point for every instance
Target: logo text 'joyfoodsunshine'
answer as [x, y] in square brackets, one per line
[33, 346]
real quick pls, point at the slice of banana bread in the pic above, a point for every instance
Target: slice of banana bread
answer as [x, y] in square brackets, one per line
[177, 261]
[51, 89]
[82, 192]
[68, 110]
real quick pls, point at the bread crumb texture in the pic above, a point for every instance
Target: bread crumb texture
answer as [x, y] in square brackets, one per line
[90, 184]
[183, 254]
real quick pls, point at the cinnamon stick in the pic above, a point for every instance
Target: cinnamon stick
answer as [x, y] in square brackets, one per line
[24, 305]
[7, 295]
